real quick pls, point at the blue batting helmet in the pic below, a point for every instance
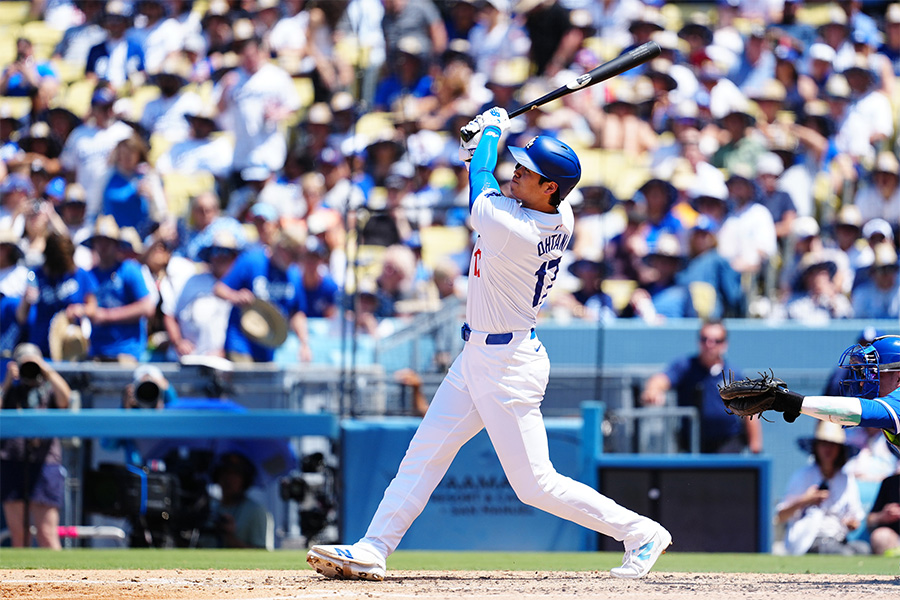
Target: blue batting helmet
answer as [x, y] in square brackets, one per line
[864, 363]
[551, 158]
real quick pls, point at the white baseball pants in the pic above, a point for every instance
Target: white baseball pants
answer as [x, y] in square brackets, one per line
[500, 388]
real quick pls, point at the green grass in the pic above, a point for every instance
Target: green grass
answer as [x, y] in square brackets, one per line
[455, 561]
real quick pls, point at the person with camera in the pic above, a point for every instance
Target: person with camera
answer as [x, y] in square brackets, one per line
[238, 521]
[822, 504]
[31, 475]
[25, 74]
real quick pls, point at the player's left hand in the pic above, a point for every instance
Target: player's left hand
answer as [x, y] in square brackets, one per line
[497, 117]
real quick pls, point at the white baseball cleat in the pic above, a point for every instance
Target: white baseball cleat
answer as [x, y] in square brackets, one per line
[346, 562]
[639, 561]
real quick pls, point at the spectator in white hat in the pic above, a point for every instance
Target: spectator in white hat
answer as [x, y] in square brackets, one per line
[879, 196]
[879, 297]
[768, 169]
[891, 45]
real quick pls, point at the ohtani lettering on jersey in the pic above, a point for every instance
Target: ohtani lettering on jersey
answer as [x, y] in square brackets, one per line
[553, 242]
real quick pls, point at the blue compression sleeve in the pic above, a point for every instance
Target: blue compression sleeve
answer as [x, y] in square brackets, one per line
[481, 169]
[880, 413]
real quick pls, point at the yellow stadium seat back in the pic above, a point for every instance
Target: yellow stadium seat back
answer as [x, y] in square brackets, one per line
[39, 32]
[68, 71]
[368, 262]
[704, 297]
[619, 290]
[14, 12]
[439, 241]
[78, 96]
[159, 145]
[181, 187]
[304, 87]
[15, 106]
[140, 97]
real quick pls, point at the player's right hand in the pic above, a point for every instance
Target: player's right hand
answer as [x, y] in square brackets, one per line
[497, 117]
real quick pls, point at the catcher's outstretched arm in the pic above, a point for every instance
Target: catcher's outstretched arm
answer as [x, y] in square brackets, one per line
[880, 412]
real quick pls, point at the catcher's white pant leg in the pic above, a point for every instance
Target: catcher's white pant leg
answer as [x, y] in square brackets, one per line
[507, 385]
[451, 421]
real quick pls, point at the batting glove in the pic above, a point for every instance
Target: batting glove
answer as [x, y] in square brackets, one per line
[497, 117]
[469, 136]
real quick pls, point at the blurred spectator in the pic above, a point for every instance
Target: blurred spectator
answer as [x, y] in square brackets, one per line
[451, 95]
[883, 520]
[756, 64]
[26, 75]
[123, 300]
[269, 273]
[203, 219]
[378, 300]
[361, 22]
[787, 73]
[32, 474]
[40, 221]
[708, 195]
[201, 151]
[879, 297]
[13, 274]
[322, 292]
[768, 168]
[86, 153]
[624, 126]
[117, 59]
[598, 220]
[847, 234]
[16, 198]
[62, 122]
[747, 238]
[695, 380]
[318, 57]
[78, 40]
[822, 505]
[496, 37]
[341, 192]
[72, 208]
[891, 46]
[255, 99]
[413, 20]
[875, 233]
[160, 34]
[879, 196]
[819, 299]
[167, 115]
[659, 196]
[554, 40]
[133, 194]
[835, 32]
[745, 143]
[704, 263]
[57, 285]
[197, 319]
[390, 224]
[408, 75]
[870, 114]
[589, 301]
[238, 521]
[661, 297]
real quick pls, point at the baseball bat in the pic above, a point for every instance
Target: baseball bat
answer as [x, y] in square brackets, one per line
[624, 62]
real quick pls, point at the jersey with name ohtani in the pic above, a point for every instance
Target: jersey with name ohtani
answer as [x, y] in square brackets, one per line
[515, 261]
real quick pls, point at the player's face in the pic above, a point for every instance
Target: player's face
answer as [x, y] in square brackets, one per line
[888, 381]
[526, 186]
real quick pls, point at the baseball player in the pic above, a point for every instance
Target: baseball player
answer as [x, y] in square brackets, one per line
[498, 380]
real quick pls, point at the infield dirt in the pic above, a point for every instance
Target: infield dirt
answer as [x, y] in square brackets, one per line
[434, 585]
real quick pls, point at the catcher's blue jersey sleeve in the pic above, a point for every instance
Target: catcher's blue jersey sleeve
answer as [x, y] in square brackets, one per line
[883, 413]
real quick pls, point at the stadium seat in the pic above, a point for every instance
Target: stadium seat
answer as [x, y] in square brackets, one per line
[140, 97]
[159, 145]
[369, 259]
[304, 87]
[181, 187]
[704, 297]
[43, 37]
[15, 106]
[77, 96]
[619, 290]
[439, 241]
[68, 71]
[14, 11]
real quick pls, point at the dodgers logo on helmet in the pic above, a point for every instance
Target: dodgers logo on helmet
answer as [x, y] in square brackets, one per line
[551, 158]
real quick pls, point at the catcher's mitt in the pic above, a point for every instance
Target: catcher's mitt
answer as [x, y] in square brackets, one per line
[751, 397]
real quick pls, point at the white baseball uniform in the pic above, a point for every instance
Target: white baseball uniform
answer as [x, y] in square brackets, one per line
[498, 380]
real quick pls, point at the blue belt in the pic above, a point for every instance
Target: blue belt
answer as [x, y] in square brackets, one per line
[491, 339]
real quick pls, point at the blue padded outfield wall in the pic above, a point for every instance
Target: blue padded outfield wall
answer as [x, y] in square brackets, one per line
[473, 508]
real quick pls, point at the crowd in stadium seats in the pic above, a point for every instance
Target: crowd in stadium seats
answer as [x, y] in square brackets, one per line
[164, 164]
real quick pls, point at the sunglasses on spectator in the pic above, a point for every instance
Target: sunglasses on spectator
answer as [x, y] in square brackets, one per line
[704, 339]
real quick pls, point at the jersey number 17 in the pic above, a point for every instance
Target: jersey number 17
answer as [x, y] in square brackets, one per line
[546, 275]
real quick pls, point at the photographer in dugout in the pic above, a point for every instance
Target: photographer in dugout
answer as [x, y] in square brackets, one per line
[31, 475]
[237, 520]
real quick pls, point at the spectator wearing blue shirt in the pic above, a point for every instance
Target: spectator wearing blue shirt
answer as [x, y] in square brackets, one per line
[667, 298]
[57, 285]
[116, 59]
[123, 301]
[707, 265]
[270, 273]
[133, 194]
[695, 380]
[24, 76]
[409, 75]
[322, 293]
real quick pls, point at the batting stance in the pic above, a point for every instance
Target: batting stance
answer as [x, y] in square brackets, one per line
[497, 382]
[871, 397]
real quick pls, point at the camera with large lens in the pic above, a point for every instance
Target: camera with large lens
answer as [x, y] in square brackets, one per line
[29, 370]
[146, 394]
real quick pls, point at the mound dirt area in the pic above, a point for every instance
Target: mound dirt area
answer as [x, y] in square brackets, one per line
[429, 585]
